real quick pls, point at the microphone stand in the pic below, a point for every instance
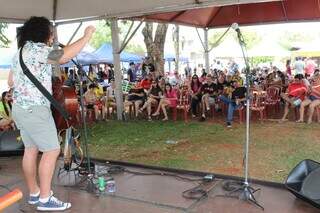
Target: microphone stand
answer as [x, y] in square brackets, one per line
[246, 191]
[90, 175]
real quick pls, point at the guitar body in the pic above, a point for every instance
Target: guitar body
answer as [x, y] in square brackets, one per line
[67, 97]
[69, 139]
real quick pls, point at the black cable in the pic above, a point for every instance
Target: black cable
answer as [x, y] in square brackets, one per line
[119, 169]
[195, 193]
[230, 185]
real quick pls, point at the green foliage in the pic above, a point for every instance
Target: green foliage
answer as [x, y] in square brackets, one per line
[261, 59]
[251, 38]
[217, 33]
[136, 49]
[290, 39]
[102, 34]
[4, 41]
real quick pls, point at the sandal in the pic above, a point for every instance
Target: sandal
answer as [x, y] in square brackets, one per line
[156, 114]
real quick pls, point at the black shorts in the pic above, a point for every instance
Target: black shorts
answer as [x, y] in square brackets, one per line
[90, 106]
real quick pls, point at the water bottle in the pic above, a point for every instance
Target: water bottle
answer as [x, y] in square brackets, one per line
[297, 102]
[111, 186]
[101, 184]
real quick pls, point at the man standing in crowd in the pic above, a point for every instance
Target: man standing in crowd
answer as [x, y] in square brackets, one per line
[299, 66]
[132, 73]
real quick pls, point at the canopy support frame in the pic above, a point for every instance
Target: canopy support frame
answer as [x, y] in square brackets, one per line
[128, 39]
[117, 67]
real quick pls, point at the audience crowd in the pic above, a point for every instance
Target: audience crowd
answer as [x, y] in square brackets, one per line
[148, 95]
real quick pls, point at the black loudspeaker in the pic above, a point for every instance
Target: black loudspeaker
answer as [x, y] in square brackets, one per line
[10, 143]
[304, 182]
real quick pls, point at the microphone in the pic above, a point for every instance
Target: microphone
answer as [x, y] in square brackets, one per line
[235, 26]
[56, 53]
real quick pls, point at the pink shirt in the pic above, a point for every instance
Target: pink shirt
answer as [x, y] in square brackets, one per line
[172, 97]
[310, 67]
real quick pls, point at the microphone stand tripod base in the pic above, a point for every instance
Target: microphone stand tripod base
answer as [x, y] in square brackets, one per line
[246, 193]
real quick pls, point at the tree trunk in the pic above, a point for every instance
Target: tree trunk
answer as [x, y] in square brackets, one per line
[155, 46]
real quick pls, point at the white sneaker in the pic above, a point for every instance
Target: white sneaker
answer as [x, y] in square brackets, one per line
[53, 204]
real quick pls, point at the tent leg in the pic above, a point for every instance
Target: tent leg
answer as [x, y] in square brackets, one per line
[117, 68]
[206, 50]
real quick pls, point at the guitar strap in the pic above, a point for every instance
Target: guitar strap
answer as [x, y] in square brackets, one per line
[41, 88]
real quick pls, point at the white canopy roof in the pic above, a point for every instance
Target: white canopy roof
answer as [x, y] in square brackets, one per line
[63, 10]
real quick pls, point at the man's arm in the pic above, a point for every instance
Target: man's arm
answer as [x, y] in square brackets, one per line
[10, 79]
[73, 49]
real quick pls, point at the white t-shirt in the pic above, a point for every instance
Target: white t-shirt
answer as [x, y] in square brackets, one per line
[110, 92]
[299, 67]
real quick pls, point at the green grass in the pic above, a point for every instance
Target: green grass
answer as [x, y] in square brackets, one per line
[274, 149]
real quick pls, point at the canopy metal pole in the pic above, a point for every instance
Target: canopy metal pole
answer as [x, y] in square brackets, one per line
[74, 33]
[117, 68]
[206, 49]
[177, 47]
[126, 40]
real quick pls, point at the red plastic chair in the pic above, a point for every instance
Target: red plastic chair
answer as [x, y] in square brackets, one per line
[273, 98]
[258, 105]
[183, 104]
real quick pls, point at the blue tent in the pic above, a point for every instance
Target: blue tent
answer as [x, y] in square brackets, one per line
[171, 57]
[83, 58]
[6, 56]
[104, 55]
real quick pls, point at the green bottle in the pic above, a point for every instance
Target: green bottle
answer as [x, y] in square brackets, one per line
[102, 184]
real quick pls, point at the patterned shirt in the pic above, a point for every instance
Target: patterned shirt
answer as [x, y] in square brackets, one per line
[35, 56]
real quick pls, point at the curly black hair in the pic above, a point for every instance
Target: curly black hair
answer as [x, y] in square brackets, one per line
[35, 29]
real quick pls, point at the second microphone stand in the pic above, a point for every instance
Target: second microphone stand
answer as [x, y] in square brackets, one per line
[246, 192]
[90, 175]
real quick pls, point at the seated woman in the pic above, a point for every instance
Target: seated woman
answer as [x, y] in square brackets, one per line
[169, 99]
[154, 95]
[295, 94]
[137, 97]
[196, 95]
[312, 100]
[6, 121]
[91, 100]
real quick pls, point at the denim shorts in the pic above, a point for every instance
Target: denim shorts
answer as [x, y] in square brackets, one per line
[313, 98]
[37, 127]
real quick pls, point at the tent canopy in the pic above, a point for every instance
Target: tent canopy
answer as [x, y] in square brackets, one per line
[171, 57]
[60, 10]
[104, 55]
[84, 58]
[243, 14]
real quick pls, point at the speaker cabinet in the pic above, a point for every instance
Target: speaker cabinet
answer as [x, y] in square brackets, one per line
[10, 143]
[304, 182]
